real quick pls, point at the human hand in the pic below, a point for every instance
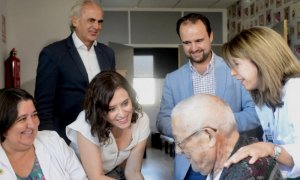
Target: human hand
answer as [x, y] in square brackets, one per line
[255, 151]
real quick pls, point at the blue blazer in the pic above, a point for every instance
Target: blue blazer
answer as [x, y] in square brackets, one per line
[178, 86]
[62, 81]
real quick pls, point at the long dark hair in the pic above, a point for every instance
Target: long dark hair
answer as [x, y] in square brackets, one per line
[9, 100]
[96, 104]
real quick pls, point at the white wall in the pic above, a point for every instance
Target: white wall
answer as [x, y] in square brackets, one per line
[3, 51]
[31, 25]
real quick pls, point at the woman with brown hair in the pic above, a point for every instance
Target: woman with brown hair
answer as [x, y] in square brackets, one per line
[112, 131]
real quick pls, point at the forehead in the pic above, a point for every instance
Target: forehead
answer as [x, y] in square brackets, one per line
[25, 106]
[181, 129]
[188, 27]
[119, 96]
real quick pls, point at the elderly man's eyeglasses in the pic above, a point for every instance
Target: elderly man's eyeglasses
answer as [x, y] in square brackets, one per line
[181, 143]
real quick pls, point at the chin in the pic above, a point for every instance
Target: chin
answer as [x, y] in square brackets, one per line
[199, 170]
[27, 143]
[249, 88]
[124, 126]
[196, 169]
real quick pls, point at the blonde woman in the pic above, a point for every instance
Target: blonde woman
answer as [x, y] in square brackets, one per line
[263, 62]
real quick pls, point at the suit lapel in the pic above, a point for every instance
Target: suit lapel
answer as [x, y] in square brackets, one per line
[100, 57]
[76, 58]
[221, 77]
[187, 81]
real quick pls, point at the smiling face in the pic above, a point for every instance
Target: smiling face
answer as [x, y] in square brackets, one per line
[23, 132]
[245, 71]
[89, 24]
[120, 109]
[196, 41]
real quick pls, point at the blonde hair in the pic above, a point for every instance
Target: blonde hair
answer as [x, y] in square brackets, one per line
[274, 60]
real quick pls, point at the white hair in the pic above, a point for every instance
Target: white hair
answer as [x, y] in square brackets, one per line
[77, 9]
[204, 110]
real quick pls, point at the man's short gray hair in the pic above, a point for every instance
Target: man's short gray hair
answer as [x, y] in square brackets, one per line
[204, 110]
[77, 8]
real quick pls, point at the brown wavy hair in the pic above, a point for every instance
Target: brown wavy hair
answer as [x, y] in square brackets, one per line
[96, 103]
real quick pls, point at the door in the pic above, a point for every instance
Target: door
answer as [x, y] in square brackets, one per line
[124, 60]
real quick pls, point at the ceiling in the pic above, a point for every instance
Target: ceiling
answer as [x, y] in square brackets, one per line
[213, 4]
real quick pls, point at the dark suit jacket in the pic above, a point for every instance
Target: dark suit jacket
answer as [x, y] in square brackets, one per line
[263, 168]
[62, 81]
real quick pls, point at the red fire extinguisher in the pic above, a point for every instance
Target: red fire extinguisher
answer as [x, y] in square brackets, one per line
[12, 70]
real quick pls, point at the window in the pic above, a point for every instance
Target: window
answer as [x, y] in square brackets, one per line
[143, 81]
[150, 66]
[145, 88]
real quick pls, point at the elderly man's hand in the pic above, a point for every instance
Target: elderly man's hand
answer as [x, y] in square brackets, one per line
[255, 151]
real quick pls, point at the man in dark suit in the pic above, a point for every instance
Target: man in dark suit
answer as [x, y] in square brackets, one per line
[66, 67]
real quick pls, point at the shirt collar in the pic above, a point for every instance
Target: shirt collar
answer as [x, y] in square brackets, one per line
[78, 43]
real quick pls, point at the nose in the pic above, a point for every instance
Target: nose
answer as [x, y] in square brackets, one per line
[32, 121]
[98, 25]
[193, 46]
[120, 112]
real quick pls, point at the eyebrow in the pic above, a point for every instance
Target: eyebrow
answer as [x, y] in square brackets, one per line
[99, 21]
[127, 99]
[21, 116]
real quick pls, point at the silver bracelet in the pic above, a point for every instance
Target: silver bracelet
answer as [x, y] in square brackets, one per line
[277, 152]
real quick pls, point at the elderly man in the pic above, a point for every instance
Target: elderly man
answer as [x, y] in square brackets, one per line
[205, 131]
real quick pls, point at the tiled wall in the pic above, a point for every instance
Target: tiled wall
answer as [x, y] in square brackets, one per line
[248, 13]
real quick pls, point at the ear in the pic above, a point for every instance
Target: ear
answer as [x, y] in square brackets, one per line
[75, 21]
[212, 137]
[211, 37]
[4, 134]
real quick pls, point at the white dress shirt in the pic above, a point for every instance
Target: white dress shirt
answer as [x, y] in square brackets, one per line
[88, 57]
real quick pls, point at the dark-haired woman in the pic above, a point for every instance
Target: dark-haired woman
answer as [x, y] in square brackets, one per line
[25, 152]
[112, 131]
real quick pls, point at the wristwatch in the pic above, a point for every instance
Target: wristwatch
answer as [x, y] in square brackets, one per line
[277, 151]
